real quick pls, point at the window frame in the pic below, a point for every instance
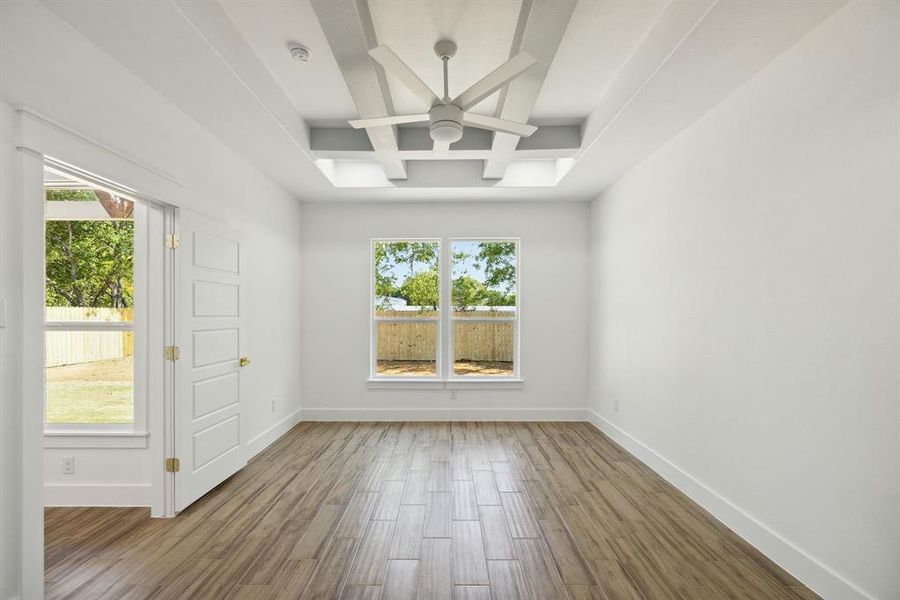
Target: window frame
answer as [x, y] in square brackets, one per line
[444, 331]
[117, 433]
[451, 320]
[375, 320]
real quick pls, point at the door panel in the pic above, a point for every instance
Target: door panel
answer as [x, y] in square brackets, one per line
[208, 408]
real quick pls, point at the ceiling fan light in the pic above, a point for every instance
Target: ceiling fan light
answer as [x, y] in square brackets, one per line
[446, 132]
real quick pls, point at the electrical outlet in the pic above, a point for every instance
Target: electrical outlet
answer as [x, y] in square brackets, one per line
[453, 394]
[274, 405]
[68, 465]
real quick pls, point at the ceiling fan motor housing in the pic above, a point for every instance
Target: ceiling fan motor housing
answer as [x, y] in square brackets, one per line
[446, 123]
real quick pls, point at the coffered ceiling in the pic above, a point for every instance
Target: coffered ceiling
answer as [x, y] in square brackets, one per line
[614, 80]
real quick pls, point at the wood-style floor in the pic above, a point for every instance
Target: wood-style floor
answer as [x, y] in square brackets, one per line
[419, 510]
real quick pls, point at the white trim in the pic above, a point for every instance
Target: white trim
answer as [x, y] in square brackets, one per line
[815, 575]
[31, 207]
[444, 359]
[265, 439]
[443, 414]
[98, 494]
[429, 383]
[96, 439]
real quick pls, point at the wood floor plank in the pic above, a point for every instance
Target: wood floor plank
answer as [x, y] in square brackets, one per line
[471, 592]
[407, 542]
[328, 579]
[464, 506]
[414, 493]
[371, 557]
[313, 541]
[389, 503]
[486, 491]
[498, 544]
[518, 516]
[435, 582]
[427, 510]
[469, 563]
[437, 515]
[507, 580]
[401, 579]
[537, 564]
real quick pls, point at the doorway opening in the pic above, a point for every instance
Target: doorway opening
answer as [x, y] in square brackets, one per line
[105, 376]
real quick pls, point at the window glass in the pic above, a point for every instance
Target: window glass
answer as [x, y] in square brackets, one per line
[407, 283]
[484, 278]
[89, 282]
[90, 377]
[483, 347]
[89, 270]
[406, 348]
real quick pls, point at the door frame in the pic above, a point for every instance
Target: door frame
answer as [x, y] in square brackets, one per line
[41, 140]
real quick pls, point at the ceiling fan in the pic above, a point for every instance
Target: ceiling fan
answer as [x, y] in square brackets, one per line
[447, 117]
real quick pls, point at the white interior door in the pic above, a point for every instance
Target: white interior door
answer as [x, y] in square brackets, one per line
[209, 441]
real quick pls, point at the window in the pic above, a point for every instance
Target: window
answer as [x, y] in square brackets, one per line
[452, 318]
[406, 323]
[89, 313]
[484, 320]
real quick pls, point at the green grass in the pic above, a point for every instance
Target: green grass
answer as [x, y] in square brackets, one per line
[96, 392]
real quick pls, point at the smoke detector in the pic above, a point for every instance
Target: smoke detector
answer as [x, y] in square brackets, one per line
[299, 52]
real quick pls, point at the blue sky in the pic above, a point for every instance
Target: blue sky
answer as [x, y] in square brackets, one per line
[401, 272]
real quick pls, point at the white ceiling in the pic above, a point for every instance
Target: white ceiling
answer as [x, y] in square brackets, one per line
[601, 37]
[316, 89]
[632, 73]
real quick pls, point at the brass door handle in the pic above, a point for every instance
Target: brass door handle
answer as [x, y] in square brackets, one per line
[244, 361]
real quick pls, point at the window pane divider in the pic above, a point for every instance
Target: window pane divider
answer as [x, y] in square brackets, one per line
[406, 319]
[486, 319]
[89, 325]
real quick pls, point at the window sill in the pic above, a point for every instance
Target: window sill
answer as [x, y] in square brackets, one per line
[445, 384]
[96, 439]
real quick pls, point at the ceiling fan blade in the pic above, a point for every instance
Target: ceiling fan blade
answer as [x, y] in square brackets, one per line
[399, 69]
[384, 121]
[495, 124]
[441, 149]
[494, 80]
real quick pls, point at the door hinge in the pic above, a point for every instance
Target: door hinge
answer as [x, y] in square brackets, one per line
[173, 241]
[172, 353]
[173, 465]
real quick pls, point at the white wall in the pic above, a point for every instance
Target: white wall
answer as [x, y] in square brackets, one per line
[50, 68]
[746, 307]
[334, 342]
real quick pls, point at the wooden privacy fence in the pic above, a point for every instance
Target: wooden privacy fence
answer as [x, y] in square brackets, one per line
[472, 340]
[73, 347]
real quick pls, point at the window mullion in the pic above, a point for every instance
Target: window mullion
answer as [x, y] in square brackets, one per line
[445, 350]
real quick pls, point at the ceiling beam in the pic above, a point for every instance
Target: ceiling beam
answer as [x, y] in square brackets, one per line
[415, 143]
[350, 32]
[539, 31]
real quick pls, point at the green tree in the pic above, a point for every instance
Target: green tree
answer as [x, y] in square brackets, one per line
[385, 282]
[90, 263]
[467, 292]
[422, 290]
[499, 260]
[412, 253]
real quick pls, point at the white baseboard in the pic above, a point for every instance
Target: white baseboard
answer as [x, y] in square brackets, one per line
[818, 577]
[264, 439]
[443, 414]
[98, 494]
